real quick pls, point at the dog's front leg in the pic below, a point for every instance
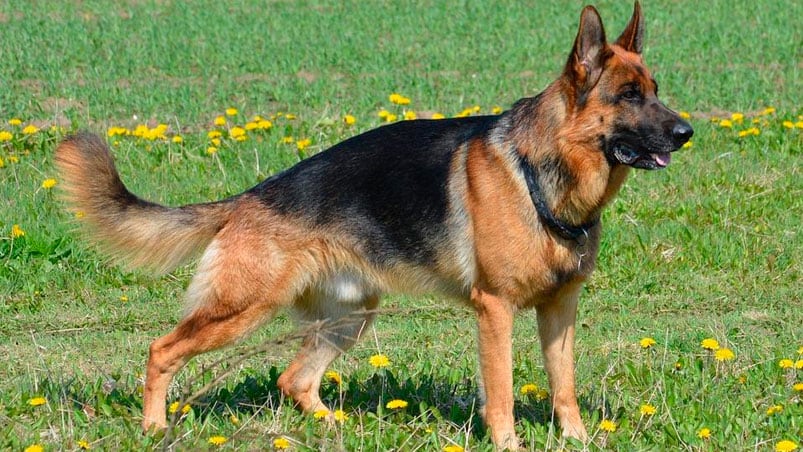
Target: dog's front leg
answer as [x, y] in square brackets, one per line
[495, 318]
[556, 319]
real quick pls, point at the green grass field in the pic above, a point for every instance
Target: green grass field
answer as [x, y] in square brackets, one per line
[709, 248]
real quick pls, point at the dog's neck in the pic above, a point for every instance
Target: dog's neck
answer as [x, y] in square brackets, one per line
[564, 158]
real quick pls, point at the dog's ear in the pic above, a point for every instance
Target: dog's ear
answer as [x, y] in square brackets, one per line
[589, 53]
[633, 36]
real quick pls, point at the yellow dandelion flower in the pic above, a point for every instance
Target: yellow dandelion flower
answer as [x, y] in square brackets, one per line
[178, 139]
[786, 364]
[14, 121]
[174, 407]
[799, 124]
[684, 114]
[398, 99]
[727, 123]
[647, 409]
[264, 124]
[5, 136]
[737, 117]
[476, 109]
[768, 111]
[496, 110]
[798, 387]
[391, 117]
[383, 113]
[289, 116]
[123, 298]
[303, 144]
[37, 401]
[724, 354]
[211, 150]
[379, 361]
[542, 394]
[251, 125]
[687, 144]
[236, 132]
[799, 364]
[83, 444]
[214, 134]
[340, 416]
[396, 404]
[775, 409]
[34, 448]
[220, 121]
[704, 433]
[647, 342]
[788, 124]
[529, 388]
[215, 142]
[710, 344]
[607, 425]
[349, 120]
[49, 183]
[2, 163]
[217, 440]
[281, 443]
[234, 420]
[231, 112]
[452, 448]
[333, 376]
[409, 115]
[785, 446]
[16, 231]
[116, 131]
[438, 116]
[320, 414]
[30, 129]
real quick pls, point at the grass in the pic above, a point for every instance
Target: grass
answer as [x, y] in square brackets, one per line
[709, 248]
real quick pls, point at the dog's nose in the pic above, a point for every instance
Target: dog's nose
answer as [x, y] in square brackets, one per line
[681, 132]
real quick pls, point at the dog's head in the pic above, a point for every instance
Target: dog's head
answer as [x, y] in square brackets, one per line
[612, 91]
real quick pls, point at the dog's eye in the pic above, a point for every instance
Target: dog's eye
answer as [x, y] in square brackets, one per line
[631, 94]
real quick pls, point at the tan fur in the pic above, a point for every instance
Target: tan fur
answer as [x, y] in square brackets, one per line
[155, 237]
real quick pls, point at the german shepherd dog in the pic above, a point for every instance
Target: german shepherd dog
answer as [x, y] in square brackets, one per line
[500, 211]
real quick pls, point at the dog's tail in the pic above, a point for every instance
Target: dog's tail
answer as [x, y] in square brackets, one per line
[137, 232]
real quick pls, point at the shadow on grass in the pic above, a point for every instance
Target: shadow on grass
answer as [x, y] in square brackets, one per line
[430, 398]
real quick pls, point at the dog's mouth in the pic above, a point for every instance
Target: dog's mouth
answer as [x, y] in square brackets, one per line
[628, 155]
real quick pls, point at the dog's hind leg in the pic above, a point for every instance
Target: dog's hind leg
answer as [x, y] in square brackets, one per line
[201, 331]
[227, 300]
[338, 325]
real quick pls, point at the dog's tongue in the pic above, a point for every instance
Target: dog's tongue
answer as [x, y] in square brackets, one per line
[662, 159]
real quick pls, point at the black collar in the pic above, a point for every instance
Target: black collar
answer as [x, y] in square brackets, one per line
[564, 230]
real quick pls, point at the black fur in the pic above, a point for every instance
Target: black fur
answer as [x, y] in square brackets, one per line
[387, 186]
